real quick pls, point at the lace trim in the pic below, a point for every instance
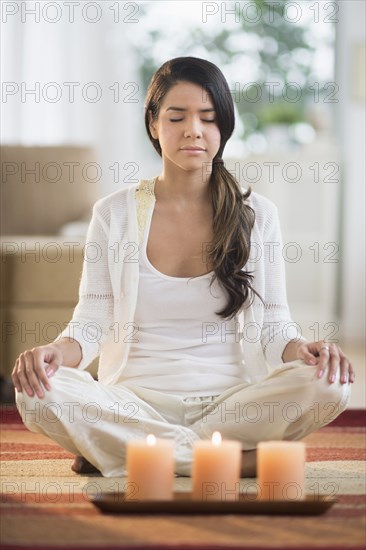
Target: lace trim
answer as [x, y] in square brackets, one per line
[270, 306]
[92, 296]
[145, 197]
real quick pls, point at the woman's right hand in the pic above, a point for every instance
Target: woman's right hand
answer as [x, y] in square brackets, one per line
[34, 367]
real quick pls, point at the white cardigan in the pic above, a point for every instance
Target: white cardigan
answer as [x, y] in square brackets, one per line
[103, 319]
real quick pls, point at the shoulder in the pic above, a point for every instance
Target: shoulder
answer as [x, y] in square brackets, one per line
[266, 213]
[118, 201]
[114, 199]
[260, 204]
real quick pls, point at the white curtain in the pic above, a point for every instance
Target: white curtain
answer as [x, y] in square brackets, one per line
[85, 78]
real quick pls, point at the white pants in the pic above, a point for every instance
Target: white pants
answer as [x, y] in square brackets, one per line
[96, 421]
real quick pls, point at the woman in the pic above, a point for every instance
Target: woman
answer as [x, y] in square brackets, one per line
[185, 304]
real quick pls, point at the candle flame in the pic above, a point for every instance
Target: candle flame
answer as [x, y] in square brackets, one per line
[216, 438]
[151, 440]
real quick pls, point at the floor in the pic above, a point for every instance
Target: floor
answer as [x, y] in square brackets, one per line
[46, 505]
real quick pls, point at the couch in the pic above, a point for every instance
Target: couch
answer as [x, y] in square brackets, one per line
[47, 195]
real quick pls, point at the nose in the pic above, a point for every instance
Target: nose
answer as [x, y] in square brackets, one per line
[193, 128]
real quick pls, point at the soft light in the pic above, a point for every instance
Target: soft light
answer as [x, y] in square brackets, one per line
[281, 470]
[151, 440]
[150, 468]
[216, 439]
[216, 469]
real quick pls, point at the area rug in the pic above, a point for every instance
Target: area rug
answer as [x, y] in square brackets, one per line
[45, 505]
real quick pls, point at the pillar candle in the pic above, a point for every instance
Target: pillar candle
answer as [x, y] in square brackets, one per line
[150, 469]
[281, 470]
[216, 469]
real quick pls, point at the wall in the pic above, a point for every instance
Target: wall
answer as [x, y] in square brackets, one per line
[350, 113]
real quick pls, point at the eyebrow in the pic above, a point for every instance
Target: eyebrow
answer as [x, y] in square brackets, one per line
[209, 110]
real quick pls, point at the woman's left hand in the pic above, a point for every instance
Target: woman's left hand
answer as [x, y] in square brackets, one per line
[327, 356]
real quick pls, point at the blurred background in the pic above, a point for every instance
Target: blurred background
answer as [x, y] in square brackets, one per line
[74, 78]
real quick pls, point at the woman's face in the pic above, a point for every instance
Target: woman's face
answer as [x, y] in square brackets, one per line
[187, 120]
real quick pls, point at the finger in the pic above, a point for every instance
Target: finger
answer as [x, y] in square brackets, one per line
[32, 375]
[304, 353]
[352, 374]
[324, 356]
[22, 375]
[41, 377]
[27, 376]
[51, 369]
[14, 377]
[41, 372]
[344, 374]
[349, 374]
[333, 363]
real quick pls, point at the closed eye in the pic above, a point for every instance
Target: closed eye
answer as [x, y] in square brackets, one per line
[180, 119]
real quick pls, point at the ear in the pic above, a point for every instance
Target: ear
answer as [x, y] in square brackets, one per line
[152, 126]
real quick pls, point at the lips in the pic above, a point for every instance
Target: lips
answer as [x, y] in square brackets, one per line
[192, 148]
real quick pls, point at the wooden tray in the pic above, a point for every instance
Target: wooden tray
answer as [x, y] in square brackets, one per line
[182, 503]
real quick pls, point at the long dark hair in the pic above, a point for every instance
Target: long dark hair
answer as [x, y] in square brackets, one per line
[233, 219]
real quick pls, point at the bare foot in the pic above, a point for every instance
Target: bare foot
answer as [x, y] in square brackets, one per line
[249, 464]
[83, 466]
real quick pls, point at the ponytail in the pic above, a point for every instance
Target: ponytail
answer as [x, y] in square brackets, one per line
[229, 251]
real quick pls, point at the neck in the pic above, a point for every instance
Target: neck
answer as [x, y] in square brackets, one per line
[182, 187]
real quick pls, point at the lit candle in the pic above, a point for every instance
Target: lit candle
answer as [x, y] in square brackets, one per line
[281, 470]
[150, 469]
[216, 469]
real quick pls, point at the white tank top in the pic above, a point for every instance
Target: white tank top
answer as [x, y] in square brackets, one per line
[181, 345]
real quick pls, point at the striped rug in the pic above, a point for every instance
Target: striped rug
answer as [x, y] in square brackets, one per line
[45, 505]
